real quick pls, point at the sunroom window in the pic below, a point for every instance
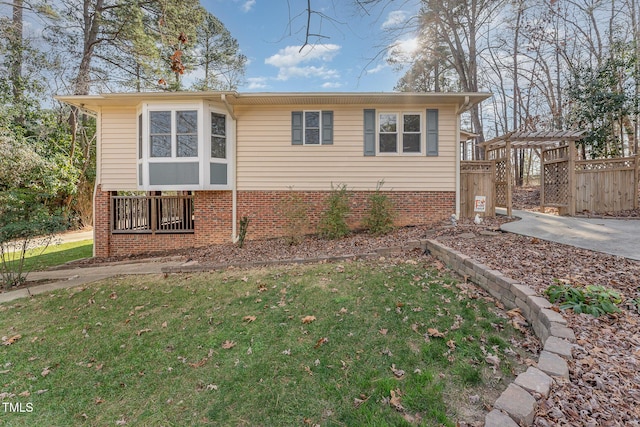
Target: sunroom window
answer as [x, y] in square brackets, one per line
[173, 133]
[185, 147]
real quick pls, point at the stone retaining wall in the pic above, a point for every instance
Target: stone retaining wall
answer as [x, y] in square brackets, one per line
[518, 403]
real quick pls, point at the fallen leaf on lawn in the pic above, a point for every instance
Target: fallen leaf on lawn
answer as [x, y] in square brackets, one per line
[383, 331]
[245, 279]
[492, 359]
[121, 422]
[415, 327]
[433, 332]
[451, 344]
[359, 401]
[308, 370]
[138, 307]
[98, 400]
[343, 311]
[9, 341]
[42, 391]
[399, 373]
[25, 393]
[249, 319]
[113, 295]
[395, 400]
[6, 371]
[164, 324]
[212, 387]
[228, 344]
[199, 364]
[308, 319]
[46, 371]
[321, 341]
[143, 331]
[287, 352]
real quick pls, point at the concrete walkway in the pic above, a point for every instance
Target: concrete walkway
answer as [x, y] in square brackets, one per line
[612, 236]
[79, 276]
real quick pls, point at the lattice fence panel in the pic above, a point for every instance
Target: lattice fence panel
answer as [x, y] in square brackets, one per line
[501, 182]
[556, 183]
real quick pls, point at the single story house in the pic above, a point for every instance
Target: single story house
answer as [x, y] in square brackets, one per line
[180, 169]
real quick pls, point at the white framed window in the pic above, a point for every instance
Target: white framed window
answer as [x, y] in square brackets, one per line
[399, 133]
[411, 133]
[184, 146]
[173, 133]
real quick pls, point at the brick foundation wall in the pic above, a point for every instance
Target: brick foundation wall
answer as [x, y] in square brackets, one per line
[213, 218]
[412, 208]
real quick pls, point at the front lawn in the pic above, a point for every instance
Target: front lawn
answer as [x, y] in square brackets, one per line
[52, 255]
[359, 343]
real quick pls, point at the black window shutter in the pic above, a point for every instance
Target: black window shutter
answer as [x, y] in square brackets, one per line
[327, 127]
[432, 132]
[296, 128]
[370, 132]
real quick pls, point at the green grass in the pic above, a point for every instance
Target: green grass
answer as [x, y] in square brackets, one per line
[37, 259]
[151, 351]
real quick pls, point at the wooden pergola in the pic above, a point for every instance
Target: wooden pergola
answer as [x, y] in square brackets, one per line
[558, 147]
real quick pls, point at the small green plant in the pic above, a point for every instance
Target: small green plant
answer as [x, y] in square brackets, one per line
[244, 226]
[333, 224]
[592, 299]
[378, 219]
[293, 209]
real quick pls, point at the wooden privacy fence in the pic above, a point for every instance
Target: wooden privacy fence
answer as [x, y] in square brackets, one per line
[477, 179]
[152, 214]
[607, 185]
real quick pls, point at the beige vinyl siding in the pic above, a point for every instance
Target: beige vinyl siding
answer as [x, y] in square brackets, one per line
[266, 160]
[118, 144]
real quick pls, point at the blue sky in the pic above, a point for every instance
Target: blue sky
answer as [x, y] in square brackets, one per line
[349, 57]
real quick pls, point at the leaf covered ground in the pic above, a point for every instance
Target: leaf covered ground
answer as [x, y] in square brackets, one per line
[604, 385]
[360, 343]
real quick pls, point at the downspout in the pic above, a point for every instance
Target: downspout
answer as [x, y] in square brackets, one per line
[98, 117]
[234, 191]
[464, 107]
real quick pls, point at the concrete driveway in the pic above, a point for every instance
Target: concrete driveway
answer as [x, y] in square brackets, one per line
[612, 236]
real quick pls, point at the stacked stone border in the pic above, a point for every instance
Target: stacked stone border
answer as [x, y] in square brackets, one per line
[517, 405]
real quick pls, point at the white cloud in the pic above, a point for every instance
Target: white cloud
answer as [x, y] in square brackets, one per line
[377, 69]
[248, 5]
[290, 61]
[257, 83]
[331, 85]
[395, 19]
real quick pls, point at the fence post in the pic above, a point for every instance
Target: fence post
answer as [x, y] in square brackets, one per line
[571, 178]
[154, 214]
[635, 181]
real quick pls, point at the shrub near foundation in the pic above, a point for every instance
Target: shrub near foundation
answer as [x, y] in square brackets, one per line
[333, 224]
[378, 219]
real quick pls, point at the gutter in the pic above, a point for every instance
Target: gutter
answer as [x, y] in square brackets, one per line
[234, 190]
[466, 105]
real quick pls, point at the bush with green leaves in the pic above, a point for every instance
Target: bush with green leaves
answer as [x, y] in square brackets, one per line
[595, 300]
[333, 222]
[28, 216]
[378, 219]
[293, 209]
